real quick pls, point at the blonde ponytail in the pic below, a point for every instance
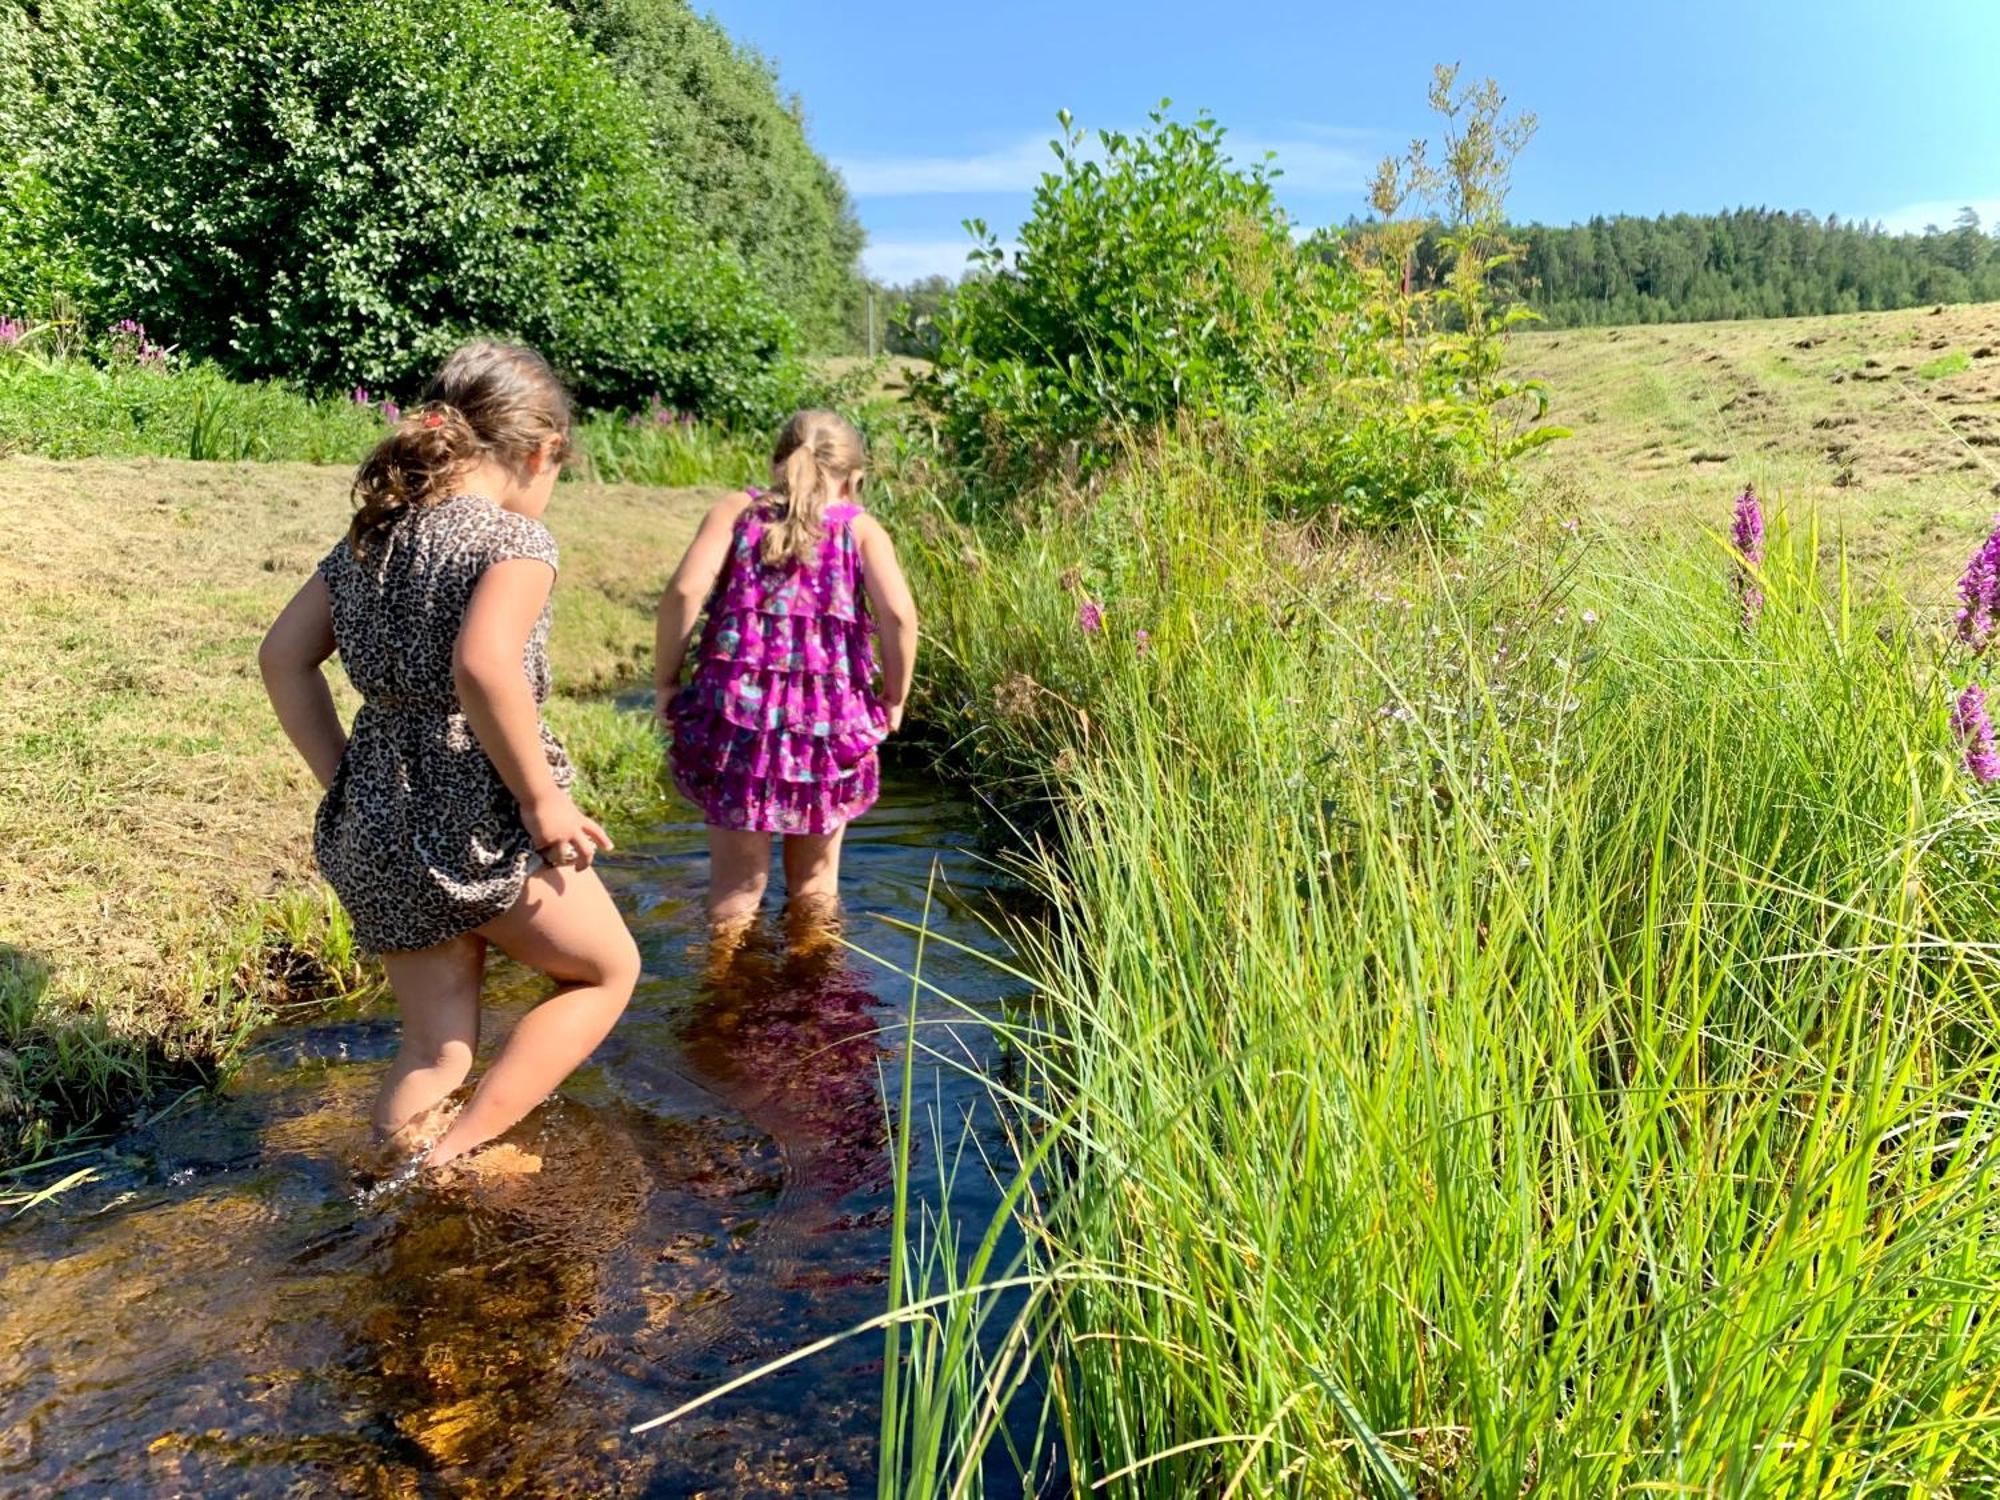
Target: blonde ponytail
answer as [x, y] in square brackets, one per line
[816, 453]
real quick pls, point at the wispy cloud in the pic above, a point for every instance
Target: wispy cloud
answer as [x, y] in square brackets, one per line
[1007, 169]
[1913, 218]
[1317, 160]
[898, 262]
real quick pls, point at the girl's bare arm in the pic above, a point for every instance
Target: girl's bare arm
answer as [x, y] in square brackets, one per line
[297, 645]
[895, 613]
[687, 591]
[493, 689]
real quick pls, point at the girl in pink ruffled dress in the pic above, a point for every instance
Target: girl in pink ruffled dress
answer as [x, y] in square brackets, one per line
[776, 730]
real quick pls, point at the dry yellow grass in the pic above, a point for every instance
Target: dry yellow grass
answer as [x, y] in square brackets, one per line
[1887, 423]
[146, 795]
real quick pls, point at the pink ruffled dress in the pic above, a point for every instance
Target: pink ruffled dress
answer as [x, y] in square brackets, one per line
[777, 730]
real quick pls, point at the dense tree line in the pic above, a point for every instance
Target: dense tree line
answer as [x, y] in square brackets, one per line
[1749, 263]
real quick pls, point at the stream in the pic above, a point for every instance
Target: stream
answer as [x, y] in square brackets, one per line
[221, 1312]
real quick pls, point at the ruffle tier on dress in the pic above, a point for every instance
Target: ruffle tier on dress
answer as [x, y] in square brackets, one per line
[777, 730]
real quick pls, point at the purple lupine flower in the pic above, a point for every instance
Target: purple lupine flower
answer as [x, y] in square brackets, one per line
[391, 412]
[1746, 533]
[1975, 732]
[1142, 640]
[1090, 617]
[12, 331]
[1979, 588]
[361, 396]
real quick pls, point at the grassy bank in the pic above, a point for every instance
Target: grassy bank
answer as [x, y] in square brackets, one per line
[1888, 424]
[1505, 1029]
[156, 822]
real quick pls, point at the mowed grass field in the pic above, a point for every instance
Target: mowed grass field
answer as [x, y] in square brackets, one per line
[1886, 424]
[149, 806]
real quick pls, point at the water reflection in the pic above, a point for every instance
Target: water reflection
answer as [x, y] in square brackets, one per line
[221, 1316]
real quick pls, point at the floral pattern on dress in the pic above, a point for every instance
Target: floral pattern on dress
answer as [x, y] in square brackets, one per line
[777, 730]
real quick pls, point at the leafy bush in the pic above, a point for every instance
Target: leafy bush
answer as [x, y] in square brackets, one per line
[743, 173]
[1161, 285]
[340, 192]
[1158, 281]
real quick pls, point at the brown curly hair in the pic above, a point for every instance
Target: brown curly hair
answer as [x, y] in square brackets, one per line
[490, 400]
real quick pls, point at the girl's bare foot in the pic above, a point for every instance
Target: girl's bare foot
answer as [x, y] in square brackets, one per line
[415, 1136]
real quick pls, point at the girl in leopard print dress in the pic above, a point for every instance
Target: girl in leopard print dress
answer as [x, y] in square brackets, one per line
[447, 823]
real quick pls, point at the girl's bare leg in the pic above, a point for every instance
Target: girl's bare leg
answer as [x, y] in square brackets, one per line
[812, 870]
[739, 867]
[437, 991]
[566, 925]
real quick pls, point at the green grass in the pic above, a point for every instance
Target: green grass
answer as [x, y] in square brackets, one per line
[1504, 1028]
[1954, 363]
[68, 408]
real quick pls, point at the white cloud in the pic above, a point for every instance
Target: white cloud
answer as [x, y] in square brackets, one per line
[1009, 169]
[897, 262]
[1320, 160]
[1913, 217]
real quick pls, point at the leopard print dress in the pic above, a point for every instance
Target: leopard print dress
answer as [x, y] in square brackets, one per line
[419, 836]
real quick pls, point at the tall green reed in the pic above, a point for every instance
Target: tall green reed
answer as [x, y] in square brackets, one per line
[1504, 1024]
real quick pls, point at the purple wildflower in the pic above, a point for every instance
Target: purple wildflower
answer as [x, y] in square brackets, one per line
[1746, 533]
[1090, 617]
[1975, 731]
[12, 331]
[391, 412]
[1142, 640]
[361, 396]
[1979, 588]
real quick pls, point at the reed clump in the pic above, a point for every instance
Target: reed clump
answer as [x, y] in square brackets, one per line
[1506, 1024]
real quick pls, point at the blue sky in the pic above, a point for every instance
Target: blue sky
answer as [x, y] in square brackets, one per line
[1887, 109]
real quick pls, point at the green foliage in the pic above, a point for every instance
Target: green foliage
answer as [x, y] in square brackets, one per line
[1156, 282]
[1492, 1005]
[743, 173]
[907, 317]
[1160, 287]
[340, 192]
[74, 409]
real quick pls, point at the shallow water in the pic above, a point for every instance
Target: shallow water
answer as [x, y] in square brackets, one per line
[219, 1315]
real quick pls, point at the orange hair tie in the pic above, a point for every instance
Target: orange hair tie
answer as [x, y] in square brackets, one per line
[433, 419]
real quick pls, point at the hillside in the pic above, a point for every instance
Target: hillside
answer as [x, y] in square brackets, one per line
[1888, 423]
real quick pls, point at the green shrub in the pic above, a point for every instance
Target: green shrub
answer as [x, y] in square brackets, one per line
[1160, 286]
[1157, 282]
[743, 173]
[340, 192]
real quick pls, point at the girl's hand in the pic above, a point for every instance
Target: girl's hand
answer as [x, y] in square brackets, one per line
[562, 834]
[895, 712]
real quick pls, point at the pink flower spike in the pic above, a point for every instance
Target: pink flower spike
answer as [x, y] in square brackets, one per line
[1142, 640]
[391, 412]
[1090, 617]
[1974, 729]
